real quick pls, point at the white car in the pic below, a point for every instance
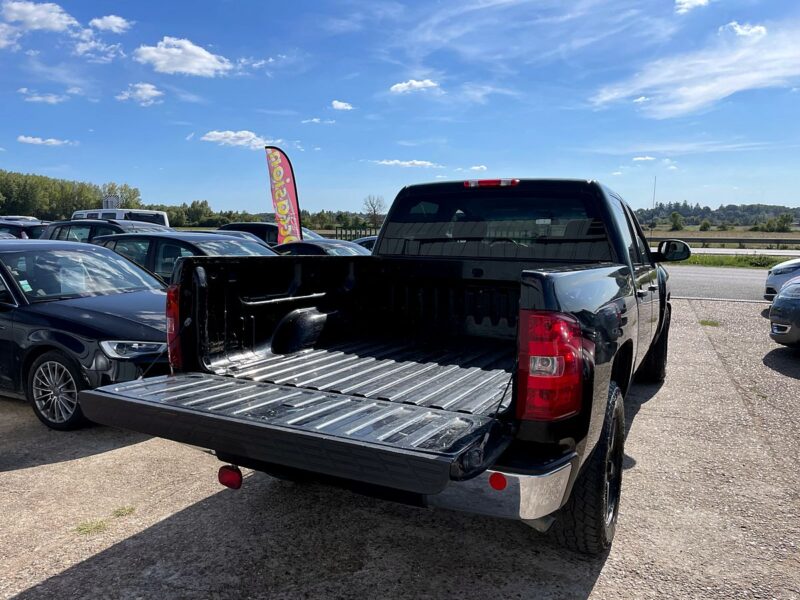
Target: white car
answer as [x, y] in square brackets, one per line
[780, 274]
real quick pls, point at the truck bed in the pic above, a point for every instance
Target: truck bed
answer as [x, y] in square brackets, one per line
[469, 377]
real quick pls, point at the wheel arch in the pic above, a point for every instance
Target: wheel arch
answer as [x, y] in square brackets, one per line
[622, 368]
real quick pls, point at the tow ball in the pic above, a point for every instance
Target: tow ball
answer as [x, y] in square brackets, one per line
[230, 476]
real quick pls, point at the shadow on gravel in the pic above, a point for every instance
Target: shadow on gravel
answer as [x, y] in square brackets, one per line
[25, 442]
[277, 539]
[639, 394]
[765, 313]
[785, 361]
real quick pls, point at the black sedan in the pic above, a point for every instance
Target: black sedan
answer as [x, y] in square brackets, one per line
[25, 230]
[266, 231]
[784, 314]
[75, 316]
[322, 247]
[158, 251]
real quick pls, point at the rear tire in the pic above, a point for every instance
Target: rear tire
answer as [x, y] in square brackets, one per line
[52, 389]
[654, 367]
[588, 520]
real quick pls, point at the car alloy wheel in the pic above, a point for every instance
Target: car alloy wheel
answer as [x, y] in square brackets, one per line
[55, 392]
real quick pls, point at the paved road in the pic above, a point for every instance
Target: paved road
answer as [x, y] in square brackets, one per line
[747, 252]
[717, 282]
[709, 507]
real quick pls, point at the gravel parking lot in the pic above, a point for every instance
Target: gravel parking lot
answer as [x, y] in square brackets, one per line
[710, 505]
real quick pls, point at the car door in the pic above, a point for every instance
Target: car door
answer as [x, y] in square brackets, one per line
[8, 348]
[167, 254]
[646, 277]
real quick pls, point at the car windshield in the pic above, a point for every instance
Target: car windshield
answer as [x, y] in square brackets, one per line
[311, 235]
[233, 248]
[45, 275]
[343, 250]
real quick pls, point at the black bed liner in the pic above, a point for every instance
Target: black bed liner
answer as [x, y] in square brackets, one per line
[418, 448]
[469, 376]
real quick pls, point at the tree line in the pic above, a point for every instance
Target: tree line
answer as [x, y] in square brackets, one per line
[758, 217]
[52, 199]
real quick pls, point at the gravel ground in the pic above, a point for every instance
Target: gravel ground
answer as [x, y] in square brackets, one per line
[710, 505]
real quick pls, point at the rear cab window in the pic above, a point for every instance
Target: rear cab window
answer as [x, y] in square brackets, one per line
[506, 223]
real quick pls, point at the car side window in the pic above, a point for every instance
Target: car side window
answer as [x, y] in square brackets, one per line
[77, 233]
[168, 253]
[135, 250]
[5, 294]
[104, 230]
[60, 233]
[625, 229]
[638, 236]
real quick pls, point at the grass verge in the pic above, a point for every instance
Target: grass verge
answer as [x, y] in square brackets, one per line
[749, 261]
[709, 323]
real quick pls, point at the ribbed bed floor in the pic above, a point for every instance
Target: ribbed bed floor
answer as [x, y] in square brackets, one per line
[471, 377]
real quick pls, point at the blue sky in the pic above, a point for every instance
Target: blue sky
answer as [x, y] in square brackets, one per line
[366, 96]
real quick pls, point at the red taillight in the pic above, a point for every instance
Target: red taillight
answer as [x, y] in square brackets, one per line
[174, 326]
[550, 376]
[230, 477]
[478, 183]
[498, 481]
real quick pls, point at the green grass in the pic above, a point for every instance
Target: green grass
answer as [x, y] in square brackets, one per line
[709, 323]
[122, 511]
[749, 261]
[91, 527]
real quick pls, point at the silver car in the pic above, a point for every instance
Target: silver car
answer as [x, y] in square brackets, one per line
[779, 275]
[784, 315]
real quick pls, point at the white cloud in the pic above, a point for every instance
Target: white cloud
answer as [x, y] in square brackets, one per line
[94, 50]
[426, 164]
[413, 85]
[189, 137]
[8, 35]
[478, 168]
[244, 138]
[174, 55]
[684, 6]
[45, 16]
[37, 141]
[318, 121]
[111, 23]
[744, 30]
[339, 105]
[480, 92]
[642, 158]
[144, 94]
[670, 164]
[641, 99]
[441, 177]
[685, 83]
[617, 173]
[34, 96]
[678, 148]
[74, 91]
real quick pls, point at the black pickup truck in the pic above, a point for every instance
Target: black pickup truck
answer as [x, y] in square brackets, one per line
[478, 360]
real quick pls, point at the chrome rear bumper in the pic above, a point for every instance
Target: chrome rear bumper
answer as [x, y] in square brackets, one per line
[524, 497]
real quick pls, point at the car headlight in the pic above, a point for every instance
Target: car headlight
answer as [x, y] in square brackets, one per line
[126, 349]
[784, 270]
[790, 291]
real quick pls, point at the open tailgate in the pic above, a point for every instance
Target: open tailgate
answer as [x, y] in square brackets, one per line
[403, 446]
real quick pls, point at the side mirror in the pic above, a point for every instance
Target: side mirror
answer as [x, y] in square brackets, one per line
[672, 251]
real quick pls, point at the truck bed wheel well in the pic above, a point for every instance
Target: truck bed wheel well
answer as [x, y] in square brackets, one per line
[623, 366]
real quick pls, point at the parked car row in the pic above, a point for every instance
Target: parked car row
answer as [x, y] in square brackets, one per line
[84, 305]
